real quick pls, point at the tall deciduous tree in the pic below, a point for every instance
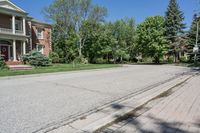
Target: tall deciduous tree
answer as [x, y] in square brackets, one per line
[69, 16]
[174, 25]
[109, 41]
[150, 38]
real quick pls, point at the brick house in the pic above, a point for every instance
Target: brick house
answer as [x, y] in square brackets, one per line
[20, 33]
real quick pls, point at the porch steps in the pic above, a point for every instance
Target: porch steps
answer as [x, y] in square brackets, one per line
[20, 67]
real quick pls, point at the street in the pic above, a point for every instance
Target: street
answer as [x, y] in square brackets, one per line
[33, 103]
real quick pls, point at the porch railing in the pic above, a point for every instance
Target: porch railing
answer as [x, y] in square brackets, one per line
[19, 32]
[10, 31]
[5, 30]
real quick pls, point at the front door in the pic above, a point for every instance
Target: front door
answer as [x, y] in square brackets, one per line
[4, 52]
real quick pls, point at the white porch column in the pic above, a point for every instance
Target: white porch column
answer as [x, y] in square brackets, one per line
[13, 24]
[24, 26]
[30, 33]
[8, 53]
[24, 47]
[14, 51]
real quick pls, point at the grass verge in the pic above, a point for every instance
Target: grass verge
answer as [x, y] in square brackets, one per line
[56, 68]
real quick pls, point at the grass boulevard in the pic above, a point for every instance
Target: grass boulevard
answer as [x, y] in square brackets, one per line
[56, 68]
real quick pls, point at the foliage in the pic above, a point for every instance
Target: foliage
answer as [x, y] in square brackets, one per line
[2, 63]
[174, 27]
[174, 20]
[170, 59]
[79, 31]
[54, 57]
[150, 38]
[193, 31]
[80, 60]
[184, 59]
[69, 16]
[124, 32]
[66, 48]
[35, 58]
[100, 61]
[192, 38]
[81, 35]
[110, 41]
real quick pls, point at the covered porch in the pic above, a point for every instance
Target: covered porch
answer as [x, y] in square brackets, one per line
[13, 50]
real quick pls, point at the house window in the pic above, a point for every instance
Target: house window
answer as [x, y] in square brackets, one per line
[40, 48]
[18, 25]
[39, 32]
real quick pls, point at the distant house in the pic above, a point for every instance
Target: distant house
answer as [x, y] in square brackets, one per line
[20, 34]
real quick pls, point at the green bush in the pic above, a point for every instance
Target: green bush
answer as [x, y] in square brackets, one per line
[148, 60]
[36, 59]
[127, 57]
[62, 60]
[100, 61]
[80, 60]
[54, 57]
[171, 59]
[135, 60]
[2, 63]
[184, 59]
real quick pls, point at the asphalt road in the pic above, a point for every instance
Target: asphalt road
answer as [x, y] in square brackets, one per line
[34, 103]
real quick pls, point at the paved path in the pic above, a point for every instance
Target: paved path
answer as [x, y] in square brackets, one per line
[32, 103]
[178, 113]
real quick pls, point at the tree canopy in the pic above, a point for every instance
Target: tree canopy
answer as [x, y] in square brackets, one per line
[173, 21]
[80, 31]
[151, 39]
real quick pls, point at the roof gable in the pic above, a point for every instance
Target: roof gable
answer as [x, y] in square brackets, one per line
[9, 5]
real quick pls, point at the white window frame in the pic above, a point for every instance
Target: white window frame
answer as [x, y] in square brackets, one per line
[18, 24]
[40, 33]
[40, 50]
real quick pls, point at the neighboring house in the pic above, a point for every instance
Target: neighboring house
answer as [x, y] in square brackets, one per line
[20, 34]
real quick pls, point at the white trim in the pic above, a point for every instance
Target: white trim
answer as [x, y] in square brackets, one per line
[14, 51]
[13, 24]
[24, 47]
[18, 22]
[40, 35]
[24, 25]
[42, 48]
[9, 58]
[30, 39]
[13, 6]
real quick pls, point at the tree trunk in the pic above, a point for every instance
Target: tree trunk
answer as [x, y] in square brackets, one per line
[121, 59]
[107, 57]
[157, 60]
[175, 57]
[80, 47]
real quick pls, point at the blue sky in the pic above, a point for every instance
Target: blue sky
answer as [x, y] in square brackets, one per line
[117, 9]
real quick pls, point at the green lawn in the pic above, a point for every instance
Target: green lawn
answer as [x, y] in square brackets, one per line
[56, 68]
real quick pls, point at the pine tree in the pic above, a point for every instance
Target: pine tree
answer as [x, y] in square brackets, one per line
[174, 21]
[192, 36]
[174, 27]
[193, 30]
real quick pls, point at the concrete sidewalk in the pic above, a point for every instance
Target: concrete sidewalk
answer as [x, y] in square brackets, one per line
[177, 113]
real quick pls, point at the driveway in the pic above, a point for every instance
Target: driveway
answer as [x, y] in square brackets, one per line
[34, 103]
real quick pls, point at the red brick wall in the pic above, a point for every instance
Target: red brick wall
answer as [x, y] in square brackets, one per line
[6, 21]
[46, 41]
